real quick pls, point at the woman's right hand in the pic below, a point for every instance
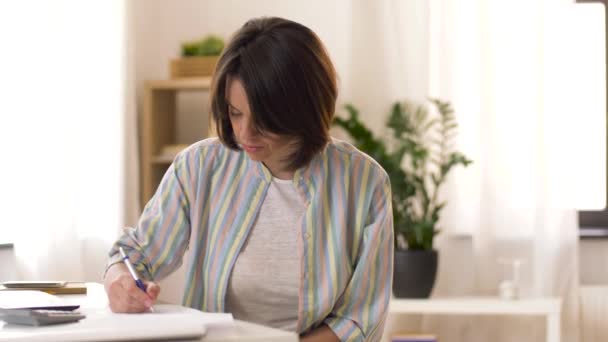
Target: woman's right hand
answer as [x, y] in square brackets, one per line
[124, 295]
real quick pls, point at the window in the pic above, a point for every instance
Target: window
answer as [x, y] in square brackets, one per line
[595, 223]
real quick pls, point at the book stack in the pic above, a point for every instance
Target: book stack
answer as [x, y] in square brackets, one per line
[65, 288]
[411, 337]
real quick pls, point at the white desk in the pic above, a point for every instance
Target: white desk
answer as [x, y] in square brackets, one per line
[239, 331]
[548, 307]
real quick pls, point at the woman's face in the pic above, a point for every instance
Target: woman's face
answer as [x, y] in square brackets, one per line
[268, 148]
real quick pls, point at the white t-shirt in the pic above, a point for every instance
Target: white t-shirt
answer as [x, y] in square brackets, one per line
[264, 284]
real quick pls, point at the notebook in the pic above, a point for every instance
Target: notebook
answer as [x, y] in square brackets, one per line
[68, 288]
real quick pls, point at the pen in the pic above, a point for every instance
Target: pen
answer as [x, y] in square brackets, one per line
[125, 259]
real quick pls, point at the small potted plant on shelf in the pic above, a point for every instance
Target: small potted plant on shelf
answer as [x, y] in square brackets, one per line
[198, 58]
[417, 156]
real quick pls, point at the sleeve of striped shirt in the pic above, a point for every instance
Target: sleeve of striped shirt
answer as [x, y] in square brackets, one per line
[156, 246]
[360, 313]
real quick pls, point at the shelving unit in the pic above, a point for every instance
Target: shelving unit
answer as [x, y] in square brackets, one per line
[159, 127]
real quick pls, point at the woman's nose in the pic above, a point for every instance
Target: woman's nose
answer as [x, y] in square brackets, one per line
[249, 129]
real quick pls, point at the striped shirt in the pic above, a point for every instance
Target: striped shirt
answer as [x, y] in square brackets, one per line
[209, 198]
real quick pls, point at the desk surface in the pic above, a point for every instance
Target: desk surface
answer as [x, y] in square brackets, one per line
[239, 331]
[477, 305]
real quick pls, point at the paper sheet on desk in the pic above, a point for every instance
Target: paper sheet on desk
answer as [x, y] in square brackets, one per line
[165, 322]
[162, 312]
[206, 318]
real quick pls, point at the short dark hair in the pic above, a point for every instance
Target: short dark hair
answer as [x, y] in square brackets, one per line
[290, 83]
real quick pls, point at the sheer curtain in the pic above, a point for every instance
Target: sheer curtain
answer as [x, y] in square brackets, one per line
[513, 72]
[62, 134]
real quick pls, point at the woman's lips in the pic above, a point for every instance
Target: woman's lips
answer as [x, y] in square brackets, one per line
[251, 148]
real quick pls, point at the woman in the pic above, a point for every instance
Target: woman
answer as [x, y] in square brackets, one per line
[286, 226]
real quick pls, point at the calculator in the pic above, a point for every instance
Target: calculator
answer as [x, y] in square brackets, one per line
[38, 317]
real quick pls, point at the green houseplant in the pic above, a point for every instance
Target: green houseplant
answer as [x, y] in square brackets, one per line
[198, 57]
[417, 155]
[208, 46]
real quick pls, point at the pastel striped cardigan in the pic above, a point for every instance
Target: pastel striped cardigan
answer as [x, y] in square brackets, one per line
[208, 200]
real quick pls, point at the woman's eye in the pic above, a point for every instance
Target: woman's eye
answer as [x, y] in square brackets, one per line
[234, 114]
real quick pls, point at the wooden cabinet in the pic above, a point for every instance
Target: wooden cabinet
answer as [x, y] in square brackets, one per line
[159, 126]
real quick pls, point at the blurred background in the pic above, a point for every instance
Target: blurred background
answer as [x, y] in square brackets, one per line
[83, 84]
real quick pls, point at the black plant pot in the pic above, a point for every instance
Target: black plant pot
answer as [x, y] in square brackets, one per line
[415, 273]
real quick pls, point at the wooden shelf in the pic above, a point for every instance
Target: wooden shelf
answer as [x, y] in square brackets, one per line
[193, 83]
[158, 125]
[162, 160]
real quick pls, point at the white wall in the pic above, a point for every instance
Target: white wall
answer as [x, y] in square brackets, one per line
[8, 269]
[350, 31]
[594, 262]
[160, 27]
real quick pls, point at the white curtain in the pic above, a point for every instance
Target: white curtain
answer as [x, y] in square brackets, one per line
[513, 72]
[63, 134]
[526, 88]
